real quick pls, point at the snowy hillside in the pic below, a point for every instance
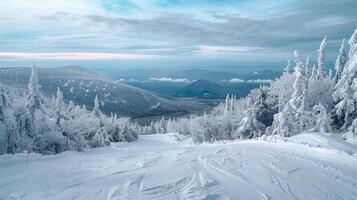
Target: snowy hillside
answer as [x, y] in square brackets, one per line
[81, 86]
[156, 167]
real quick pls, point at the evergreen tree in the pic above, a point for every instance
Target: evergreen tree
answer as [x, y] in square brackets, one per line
[283, 120]
[321, 59]
[345, 89]
[250, 126]
[38, 127]
[59, 111]
[313, 72]
[299, 84]
[323, 122]
[9, 135]
[307, 67]
[340, 62]
[286, 123]
[96, 111]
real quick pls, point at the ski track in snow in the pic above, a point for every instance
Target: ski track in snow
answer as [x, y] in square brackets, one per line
[157, 168]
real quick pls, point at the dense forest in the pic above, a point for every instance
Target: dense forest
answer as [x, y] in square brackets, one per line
[305, 99]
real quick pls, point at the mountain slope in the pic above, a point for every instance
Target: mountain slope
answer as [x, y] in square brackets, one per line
[155, 167]
[205, 89]
[81, 86]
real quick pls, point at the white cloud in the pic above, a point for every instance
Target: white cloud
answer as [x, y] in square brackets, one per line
[27, 13]
[165, 79]
[76, 56]
[259, 81]
[238, 80]
[209, 50]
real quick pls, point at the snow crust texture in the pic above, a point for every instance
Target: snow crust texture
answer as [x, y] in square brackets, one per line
[156, 167]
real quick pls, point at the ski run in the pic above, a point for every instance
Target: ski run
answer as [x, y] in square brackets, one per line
[305, 166]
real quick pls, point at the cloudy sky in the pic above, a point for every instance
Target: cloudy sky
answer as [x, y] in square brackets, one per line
[168, 32]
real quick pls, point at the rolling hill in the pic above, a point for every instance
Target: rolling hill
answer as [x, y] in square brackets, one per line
[81, 85]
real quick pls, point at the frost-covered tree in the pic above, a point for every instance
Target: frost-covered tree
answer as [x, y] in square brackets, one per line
[283, 121]
[345, 94]
[226, 104]
[160, 126]
[100, 139]
[351, 135]
[98, 136]
[299, 83]
[60, 111]
[340, 61]
[313, 72]
[264, 105]
[307, 67]
[9, 136]
[96, 111]
[323, 120]
[319, 85]
[321, 59]
[281, 89]
[37, 130]
[286, 123]
[129, 133]
[250, 126]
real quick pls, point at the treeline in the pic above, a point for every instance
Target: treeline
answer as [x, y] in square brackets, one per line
[34, 124]
[306, 99]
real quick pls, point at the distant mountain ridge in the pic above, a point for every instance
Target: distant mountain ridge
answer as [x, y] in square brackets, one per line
[206, 89]
[81, 85]
[192, 74]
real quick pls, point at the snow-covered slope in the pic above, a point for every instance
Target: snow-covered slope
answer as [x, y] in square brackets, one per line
[81, 86]
[156, 167]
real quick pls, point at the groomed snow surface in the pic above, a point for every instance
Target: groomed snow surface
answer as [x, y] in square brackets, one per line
[307, 166]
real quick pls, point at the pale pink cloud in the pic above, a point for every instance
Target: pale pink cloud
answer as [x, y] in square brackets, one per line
[77, 56]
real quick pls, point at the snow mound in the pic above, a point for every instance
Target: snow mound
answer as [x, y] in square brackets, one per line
[328, 141]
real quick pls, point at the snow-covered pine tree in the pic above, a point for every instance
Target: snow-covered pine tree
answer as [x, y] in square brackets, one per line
[232, 101]
[129, 132]
[9, 135]
[299, 83]
[264, 111]
[307, 67]
[286, 123]
[345, 94]
[283, 121]
[60, 111]
[250, 126]
[319, 85]
[323, 120]
[70, 109]
[96, 111]
[321, 59]
[281, 88]
[351, 135]
[100, 138]
[38, 128]
[163, 125]
[313, 72]
[226, 104]
[340, 62]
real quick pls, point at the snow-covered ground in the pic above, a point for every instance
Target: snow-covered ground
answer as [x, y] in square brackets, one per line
[307, 166]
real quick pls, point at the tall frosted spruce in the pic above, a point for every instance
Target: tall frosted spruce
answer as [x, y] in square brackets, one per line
[340, 61]
[321, 59]
[345, 94]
